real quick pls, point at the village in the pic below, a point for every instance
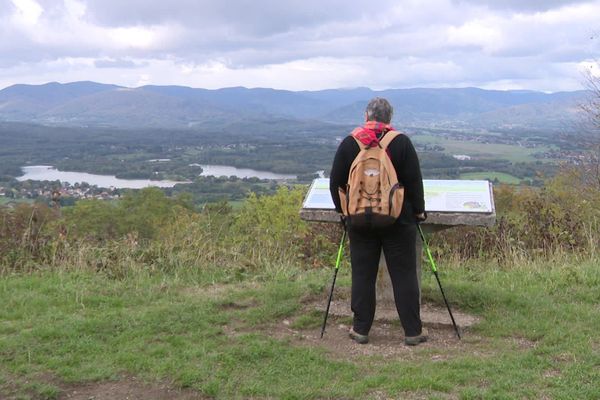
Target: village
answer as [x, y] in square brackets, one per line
[62, 192]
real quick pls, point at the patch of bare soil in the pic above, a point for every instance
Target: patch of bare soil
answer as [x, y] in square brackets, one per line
[386, 338]
[424, 395]
[127, 389]
[9, 390]
[216, 290]
[523, 343]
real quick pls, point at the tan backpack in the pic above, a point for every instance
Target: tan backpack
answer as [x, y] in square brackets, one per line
[373, 195]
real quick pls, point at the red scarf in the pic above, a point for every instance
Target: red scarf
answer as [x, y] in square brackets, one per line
[371, 132]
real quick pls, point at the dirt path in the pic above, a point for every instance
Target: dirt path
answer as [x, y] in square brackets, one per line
[127, 389]
[386, 338]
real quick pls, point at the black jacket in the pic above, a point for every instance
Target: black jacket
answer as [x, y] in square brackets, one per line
[406, 163]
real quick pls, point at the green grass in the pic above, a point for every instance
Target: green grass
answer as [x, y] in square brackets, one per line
[236, 204]
[502, 177]
[539, 336]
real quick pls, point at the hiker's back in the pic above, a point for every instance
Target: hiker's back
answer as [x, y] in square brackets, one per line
[373, 196]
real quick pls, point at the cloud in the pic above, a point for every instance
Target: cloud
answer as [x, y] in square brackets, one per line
[299, 44]
[120, 63]
[522, 5]
[28, 12]
[258, 17]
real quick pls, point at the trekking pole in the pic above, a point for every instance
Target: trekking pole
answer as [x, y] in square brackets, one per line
[337, 267]
[434, 269]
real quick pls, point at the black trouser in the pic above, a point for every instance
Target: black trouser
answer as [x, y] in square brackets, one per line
[398, 243]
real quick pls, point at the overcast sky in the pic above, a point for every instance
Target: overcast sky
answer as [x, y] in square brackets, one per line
[301, 44]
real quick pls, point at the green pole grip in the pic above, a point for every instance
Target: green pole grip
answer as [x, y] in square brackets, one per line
[340, 251]
[429, 256]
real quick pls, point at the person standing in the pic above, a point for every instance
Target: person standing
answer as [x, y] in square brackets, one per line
[398, 240]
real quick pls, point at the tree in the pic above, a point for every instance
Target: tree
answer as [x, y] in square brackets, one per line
[592, 106]
[590, 165]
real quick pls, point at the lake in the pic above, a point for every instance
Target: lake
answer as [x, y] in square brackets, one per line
[49, 173]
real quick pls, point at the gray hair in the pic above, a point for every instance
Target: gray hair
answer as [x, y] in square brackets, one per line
[380, 110]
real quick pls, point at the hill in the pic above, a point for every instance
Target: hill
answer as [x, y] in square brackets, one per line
[89, 103]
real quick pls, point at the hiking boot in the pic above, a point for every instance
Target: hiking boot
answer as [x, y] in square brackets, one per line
[415, 340]
[358, 338]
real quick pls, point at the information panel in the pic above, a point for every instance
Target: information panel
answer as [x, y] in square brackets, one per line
[457, 196]
[319, 196]
[440, 196]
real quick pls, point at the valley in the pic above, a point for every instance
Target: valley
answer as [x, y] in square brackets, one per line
[165, 133]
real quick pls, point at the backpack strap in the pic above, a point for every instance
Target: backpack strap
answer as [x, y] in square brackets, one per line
[360, 144]
[387, 138]
[384, 142]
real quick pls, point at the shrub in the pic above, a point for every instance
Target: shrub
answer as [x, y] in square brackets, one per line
[563, 216]
[149, 231]
[23, 234]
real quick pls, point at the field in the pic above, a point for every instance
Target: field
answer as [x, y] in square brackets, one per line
[198, 334]
[491, 176]
[512, 153]
[6, 200]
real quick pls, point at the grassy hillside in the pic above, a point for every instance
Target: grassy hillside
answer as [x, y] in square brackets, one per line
[256, 338]
[149, 297]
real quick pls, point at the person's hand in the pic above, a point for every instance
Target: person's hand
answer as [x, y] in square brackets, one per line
[421, 217]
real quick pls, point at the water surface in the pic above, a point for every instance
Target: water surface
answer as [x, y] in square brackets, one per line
[49, 173]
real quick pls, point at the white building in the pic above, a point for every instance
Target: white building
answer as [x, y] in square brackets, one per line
[461, 157]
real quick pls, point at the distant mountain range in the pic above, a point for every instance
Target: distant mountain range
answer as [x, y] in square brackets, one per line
[95, 104]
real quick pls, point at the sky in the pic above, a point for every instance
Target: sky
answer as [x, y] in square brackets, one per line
[546, 45]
